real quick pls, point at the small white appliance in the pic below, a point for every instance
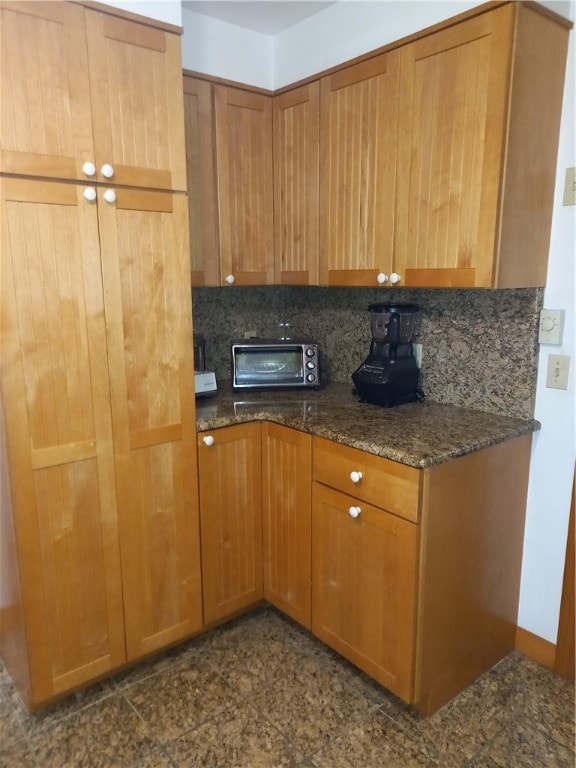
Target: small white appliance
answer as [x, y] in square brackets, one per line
[204, 383]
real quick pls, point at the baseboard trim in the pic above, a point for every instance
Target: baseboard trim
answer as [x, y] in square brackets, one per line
[535, 647]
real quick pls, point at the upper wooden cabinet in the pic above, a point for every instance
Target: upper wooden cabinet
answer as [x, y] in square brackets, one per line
[201, 173]
[87, 87]
[296, 191]
[358, 137]
[480, 106]
[244, 177]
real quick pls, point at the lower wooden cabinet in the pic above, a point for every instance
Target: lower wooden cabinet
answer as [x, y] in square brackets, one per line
[364, 568]
[229, 467]
[286, 488]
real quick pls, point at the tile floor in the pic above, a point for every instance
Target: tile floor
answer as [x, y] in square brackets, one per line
[262, 692]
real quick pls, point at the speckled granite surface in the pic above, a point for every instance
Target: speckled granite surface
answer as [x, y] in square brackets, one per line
[479, 347]
[418, 434]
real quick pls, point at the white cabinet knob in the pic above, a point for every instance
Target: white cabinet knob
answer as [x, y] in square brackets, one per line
[208, 440]
[394, 278]
[382, 278]
[107, 171]
[110, 196]
[355, 476]
[354, 511]
[89, 194]
[88, 169]
[229, 279]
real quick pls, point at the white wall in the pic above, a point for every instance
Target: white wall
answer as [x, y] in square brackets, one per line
[168, 11]
[225, 50]
[348, 29]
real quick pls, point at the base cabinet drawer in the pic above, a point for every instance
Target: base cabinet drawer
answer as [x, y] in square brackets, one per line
[364, 577]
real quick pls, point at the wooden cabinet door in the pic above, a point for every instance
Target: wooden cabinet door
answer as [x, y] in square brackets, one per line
[201, 174]
[244, 171]
[296, 191]
[45, 114]
[54, 375]
[286, 488]
[364, 586]
[358, 139]
[137, 106]
[229, 464]
[453, 110]
[146, 272]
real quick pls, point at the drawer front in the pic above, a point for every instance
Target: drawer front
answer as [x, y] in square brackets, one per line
[386, 484]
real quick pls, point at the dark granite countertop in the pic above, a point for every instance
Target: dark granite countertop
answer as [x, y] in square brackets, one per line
[417, 434]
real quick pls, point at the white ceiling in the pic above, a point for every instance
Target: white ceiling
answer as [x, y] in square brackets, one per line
[267, 16]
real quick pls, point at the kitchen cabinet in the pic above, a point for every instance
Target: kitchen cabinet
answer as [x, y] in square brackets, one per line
[476, 100]
[201, 175]
[243, 122]
[94, 96]
[358, 144]
[229, 468]
[286, 503]
[296, 192]
[97, 384]
[365, 562]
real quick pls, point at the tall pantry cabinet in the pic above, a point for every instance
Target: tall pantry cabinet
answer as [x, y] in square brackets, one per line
[100, 536]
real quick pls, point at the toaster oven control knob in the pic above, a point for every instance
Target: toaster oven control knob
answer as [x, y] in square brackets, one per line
[355, 476]
[310, 365]
[309, 352]
[229, 279]
[107, 171]
[208, 440]
[394, 278]
[310, 377]
[88, 168]
[354, 512]
[382, 278]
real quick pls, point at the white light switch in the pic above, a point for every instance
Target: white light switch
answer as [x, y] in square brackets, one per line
[557, 374]
[551, 326]
[570, 187]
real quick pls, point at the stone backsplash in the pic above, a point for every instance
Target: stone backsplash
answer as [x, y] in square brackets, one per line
[479, 347]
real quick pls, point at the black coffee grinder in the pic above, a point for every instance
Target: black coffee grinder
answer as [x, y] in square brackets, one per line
[389, 375]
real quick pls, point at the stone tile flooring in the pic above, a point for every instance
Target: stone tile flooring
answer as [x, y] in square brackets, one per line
[262, 692]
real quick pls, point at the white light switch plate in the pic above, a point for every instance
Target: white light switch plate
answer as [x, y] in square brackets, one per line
[551, 326]
[558, 368]
[570, 187]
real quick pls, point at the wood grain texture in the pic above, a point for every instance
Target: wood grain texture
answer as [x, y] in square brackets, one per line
[453, 113]
[201, 176]
[287, 521]
[149, 318]
[358, 140]
[231, 519]
[244, 171]
[55, 392]
[137, 106]
[296, 117]
[564, 661]
[471, 554]
[364, 587]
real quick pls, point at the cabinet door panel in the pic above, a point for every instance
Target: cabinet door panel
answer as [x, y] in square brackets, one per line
[358, 139]
[244, 166]
[149, 318]
[231, 517]
[286, 484]
[137, 108]
[201, 174]
[296, 192]
[364, 587]
[452, 126]
[59, 431]
[45, 120]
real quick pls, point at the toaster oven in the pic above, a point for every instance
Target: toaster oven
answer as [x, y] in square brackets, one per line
[275, 364]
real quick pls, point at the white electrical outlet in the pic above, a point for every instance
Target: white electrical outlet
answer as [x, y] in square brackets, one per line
[249, 334]
[557, 374]
[551, 326]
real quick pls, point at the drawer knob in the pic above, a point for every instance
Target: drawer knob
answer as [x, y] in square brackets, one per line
[354, 511]
[107, 171]
[208, 440]
[355, 476]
